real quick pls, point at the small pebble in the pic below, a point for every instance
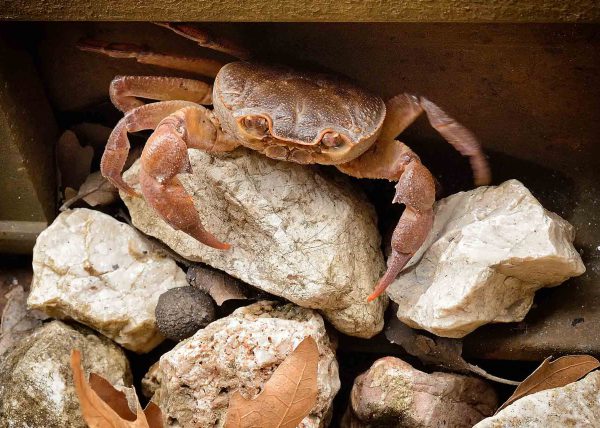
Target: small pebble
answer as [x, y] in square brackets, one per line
[182, 311]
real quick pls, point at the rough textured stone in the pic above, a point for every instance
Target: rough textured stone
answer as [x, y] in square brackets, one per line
[240, 352]
[573, 405]
[101, 272]
[296, 233]
[182, 311]
[394, 394]
[36, 385]
[489, 251]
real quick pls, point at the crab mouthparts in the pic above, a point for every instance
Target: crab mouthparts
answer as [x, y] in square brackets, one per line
[293, 154]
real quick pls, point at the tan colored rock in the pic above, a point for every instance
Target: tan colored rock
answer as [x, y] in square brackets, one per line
[36, 384]
[103, 273]
[240, 352]
[573, 405]
[489, 251]
[296, 232]
[394, 394]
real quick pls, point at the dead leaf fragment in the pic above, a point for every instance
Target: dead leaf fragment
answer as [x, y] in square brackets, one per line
[554, 374]
[74, 161]
[95, 190]
[219, 285]
[438, 351]
[104, 406]
[287, 397]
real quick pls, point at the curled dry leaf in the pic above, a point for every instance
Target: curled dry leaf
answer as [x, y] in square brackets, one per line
[287, 397]
[104, 406]
[438, 351]
[74, 161]
[554, 374]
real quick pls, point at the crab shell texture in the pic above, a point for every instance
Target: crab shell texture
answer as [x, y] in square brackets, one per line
[306, 117]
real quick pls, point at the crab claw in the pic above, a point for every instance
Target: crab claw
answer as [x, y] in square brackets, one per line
[415, 189]
[164, 156]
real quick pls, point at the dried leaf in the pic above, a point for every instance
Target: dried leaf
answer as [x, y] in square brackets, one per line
[287, 397]
[220, 286]
[96, 190]
[554, 374]
[17, 321]
[73, 160]
[437, 351]
[104, 406]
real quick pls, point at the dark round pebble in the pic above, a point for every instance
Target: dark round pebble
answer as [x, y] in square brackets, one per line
[182, 311]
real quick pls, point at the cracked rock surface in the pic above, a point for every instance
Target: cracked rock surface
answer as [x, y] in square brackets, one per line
[574, 405]
[102, 273]
[194, 381]
[296, 233]
[36, 384]
[489, 251]
[394, 394]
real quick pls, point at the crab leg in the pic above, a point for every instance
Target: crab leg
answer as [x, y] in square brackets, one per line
[126, 91]
[402, 110]
[393, 160]
[165, 155]
[206, 39]
[204, 66]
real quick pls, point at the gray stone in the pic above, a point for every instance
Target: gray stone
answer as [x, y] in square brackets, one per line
[489, 251]
[574, 405]
[36, 384]
[394, 394]
[296, 233]
[182, 311]
[240, 352]
[102, 273]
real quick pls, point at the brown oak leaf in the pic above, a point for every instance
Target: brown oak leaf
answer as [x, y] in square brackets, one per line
[554, 374]
[104, 406]
[287, 397]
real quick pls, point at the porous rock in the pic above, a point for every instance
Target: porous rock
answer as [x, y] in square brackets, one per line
[94, 269]
[489, 251]
[36, 384]
[240, 353]
[574, 405]
[182, 311]
[394, 394]
[296, 233]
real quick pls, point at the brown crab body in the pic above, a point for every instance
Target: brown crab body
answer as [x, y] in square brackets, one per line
[302, 117]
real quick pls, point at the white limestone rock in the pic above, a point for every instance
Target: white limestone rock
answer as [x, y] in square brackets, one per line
[36, 384]
[489, 251]
[394, 394]
[574, 405]
[240, 352]
[96, 270]
[297, 233]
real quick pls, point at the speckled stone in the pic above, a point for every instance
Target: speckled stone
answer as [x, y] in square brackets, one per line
[296, 233]
[36, 384]
[102, 273]
[489, 251]
[394, 394]
[240, 352]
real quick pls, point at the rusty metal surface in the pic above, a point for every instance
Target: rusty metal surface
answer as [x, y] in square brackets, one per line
[529, 92]
[307, 10]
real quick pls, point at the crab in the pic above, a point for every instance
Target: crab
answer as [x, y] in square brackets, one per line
[297, 116]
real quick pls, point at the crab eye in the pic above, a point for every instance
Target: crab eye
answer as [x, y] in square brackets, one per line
[332, 139]
[256, 125]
